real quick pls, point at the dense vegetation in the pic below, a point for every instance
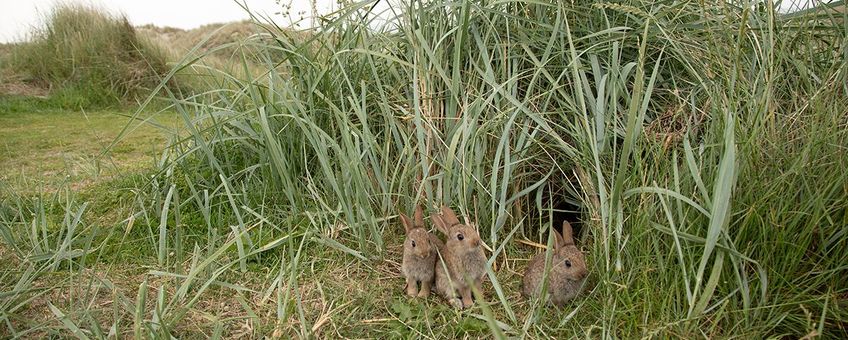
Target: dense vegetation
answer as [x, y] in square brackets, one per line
[91, 58]
[701, 145]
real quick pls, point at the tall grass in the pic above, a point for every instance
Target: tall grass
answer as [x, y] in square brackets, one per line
[89, 58]
[702, 144]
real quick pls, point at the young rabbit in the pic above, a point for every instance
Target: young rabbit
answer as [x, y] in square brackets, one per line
[462, 256]
[419, 255]
[568, 270]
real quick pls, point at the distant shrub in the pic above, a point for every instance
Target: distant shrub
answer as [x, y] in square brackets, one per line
[89, 58]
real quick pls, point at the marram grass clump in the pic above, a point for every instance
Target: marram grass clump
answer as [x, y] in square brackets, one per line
[89, 58]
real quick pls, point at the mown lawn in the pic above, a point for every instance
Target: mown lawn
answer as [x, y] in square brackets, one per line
[43, 149]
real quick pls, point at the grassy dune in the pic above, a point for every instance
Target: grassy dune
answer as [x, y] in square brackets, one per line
[700, 146]
[85, 59]
[90, 58]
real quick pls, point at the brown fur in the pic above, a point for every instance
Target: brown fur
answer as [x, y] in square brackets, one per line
[463, 262]
[419, 255]
[564, 282]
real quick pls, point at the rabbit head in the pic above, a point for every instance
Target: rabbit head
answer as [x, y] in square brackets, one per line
[418, 239]
[460, 238]
[568, 262]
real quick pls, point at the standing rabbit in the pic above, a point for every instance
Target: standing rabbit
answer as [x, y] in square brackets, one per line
[463, 262]
[568, 270]
[419, 255]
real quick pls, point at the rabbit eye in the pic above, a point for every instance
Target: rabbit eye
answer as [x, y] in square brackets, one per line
[460, 237]
[413, 246]
[568, 263]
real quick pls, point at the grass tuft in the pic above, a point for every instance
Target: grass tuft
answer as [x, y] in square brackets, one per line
[89, 58]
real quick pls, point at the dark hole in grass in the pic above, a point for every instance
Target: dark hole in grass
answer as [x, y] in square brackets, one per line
[565, 209]
[558, 204]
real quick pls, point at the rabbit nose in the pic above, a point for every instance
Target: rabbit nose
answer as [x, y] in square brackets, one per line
[476, 242]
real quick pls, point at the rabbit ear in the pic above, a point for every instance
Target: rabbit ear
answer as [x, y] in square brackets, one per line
[567, 234]
[407, 223]
[440, 223]
[419, 217]
[558, 242]
[449, 216]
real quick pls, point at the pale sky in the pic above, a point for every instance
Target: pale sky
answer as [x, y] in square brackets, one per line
[17, 17]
